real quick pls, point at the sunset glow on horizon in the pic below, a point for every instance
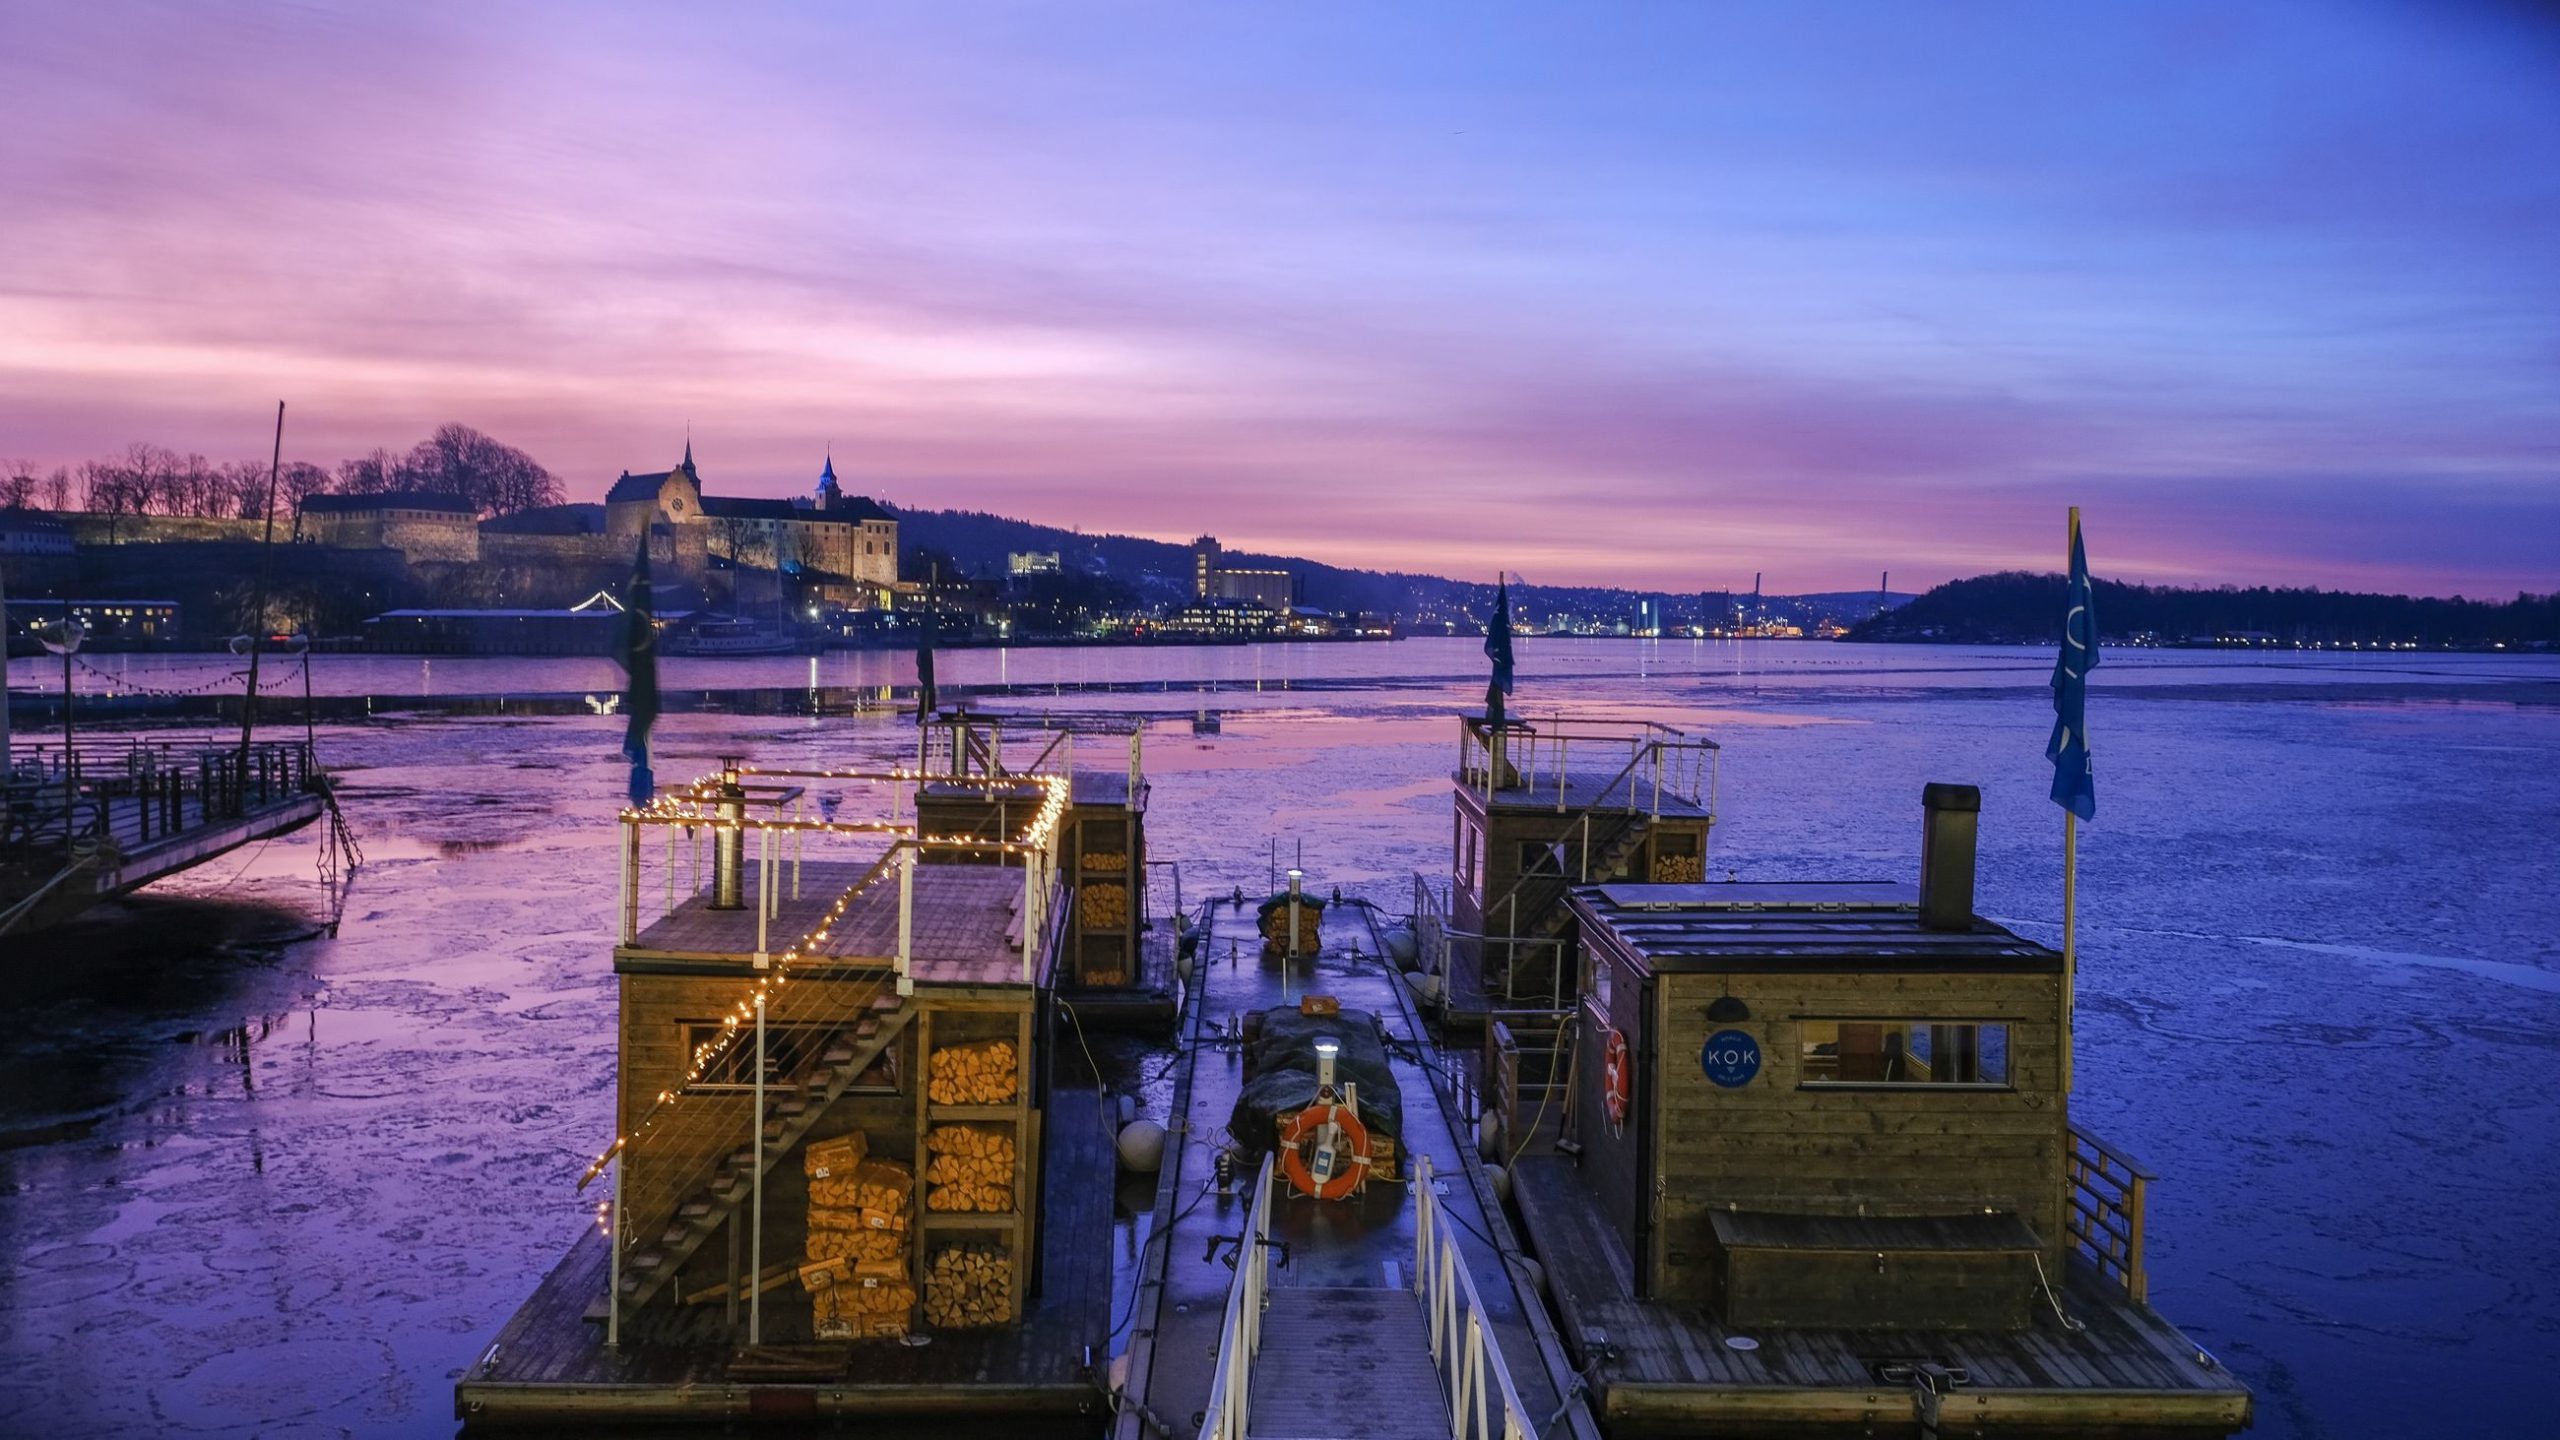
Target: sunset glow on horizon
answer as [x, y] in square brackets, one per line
[1657, 297]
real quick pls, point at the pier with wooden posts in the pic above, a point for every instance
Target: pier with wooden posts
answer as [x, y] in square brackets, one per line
[99, 817]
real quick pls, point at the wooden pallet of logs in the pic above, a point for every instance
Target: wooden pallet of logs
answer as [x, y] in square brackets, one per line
[968, 1286]
[1275, 927]
[857, 1256]
[970, 1169]
[1679, 869]
[1102, 905]
[983, 1074]
[1103, 862]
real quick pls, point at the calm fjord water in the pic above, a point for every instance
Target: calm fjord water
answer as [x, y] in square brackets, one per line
[293, 1191]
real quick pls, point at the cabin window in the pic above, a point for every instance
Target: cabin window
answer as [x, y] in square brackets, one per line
[1543, 857]
[1467, 856]
[1906, 1052]
[790, 1053]
[1595, 987]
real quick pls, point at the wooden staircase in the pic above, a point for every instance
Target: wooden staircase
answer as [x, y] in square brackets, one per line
[790, 1111]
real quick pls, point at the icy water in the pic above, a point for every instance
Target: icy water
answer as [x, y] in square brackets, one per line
[285, 1191]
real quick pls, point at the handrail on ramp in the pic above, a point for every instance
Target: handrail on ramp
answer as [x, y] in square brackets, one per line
[1482, 1402]
[1240, 1335]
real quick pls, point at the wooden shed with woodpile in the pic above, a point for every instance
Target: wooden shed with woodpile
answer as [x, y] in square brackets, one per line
[1820, 1171]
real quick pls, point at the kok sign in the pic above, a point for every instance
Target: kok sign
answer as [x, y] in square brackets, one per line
[1730, 1059]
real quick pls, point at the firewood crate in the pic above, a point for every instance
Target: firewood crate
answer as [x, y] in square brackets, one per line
[969, 1284]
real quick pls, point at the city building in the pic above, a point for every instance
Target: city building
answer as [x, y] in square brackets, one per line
[1211, 579]
[25, 532]
[111, 624]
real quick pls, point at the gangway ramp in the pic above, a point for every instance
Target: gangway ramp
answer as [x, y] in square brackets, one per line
[1337, 1362]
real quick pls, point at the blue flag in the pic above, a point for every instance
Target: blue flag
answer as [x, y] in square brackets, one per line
[2075, 782]
[1497, 648]
[637, 649]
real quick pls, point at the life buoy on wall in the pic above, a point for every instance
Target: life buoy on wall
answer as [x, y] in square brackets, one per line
[1350, 1165]
[1617, 1079]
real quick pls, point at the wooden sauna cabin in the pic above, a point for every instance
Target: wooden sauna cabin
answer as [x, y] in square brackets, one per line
[1541, 806]
[1821, 1176]
[870, 1199]
[1117, 968]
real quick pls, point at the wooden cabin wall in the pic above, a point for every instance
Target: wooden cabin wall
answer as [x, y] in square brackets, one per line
[1772, 1145]
[655, 1011]
[1612, 1162]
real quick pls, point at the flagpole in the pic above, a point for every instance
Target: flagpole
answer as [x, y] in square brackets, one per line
[2070, 870]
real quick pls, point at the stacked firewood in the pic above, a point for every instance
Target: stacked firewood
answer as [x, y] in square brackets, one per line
[875, 1187]
[1679, 869]
[1103, 905]
[856, 1274]
[985, 1074]
[971, 1169]
[1104, 862]
[968, 1285]
[1275, 927]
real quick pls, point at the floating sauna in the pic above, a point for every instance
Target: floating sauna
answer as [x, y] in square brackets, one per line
[841, 1184]
[1115, 966]
[1820, 1175]
[1540, 807]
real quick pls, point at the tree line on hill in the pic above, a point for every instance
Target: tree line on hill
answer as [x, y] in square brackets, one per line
[497, 478]
[2016, 607]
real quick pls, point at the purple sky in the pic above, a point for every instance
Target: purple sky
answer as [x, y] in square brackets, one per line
[1656, 295]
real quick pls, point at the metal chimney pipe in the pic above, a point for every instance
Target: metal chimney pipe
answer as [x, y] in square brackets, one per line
[729, 843]
[1946, 855]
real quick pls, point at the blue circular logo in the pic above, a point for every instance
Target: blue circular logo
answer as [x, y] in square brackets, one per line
[1730, 1059]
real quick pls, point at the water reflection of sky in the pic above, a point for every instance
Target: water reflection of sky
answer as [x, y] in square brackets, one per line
[293, 1193]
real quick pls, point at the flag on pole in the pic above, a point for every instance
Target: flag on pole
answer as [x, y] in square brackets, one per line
[2075, 784]
[1497, 648]
[927, 692]
[637, 649]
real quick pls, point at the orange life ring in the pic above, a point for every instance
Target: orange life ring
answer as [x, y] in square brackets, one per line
[1617, 1078]
[1348, 1173]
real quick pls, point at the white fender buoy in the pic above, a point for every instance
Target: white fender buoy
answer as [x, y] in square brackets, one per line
[1401, 944]
[1426, 986]
[1142, 1146]
[1127, 1105]
[1120, 1373]
[1536, 1272]
[1501, 1179]
[1488, 1136]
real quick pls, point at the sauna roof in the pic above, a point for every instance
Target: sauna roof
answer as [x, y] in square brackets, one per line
[1791, 925]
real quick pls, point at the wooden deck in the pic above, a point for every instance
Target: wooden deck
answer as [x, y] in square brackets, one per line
[551, 1367]
[1534, 789]
[966, 918]
[1668, 1369]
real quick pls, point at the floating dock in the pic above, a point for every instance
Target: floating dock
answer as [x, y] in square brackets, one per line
[118, 815]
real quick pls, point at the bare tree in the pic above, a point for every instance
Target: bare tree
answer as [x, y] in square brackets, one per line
[378, 472]
[17, 484]
[57, 488]
[496, 478]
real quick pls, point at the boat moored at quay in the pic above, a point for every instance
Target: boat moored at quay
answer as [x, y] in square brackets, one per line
[1587, 1144]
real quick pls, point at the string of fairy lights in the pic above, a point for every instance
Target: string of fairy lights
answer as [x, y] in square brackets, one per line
[685, 807]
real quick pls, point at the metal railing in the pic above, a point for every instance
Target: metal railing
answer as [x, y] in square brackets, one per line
[1647, 762]
[1473, 1377]
[2102, 1218]
[1230, 1411]
[135, 790]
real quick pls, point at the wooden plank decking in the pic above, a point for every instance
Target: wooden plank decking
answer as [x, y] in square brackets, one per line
[1668, 1368]
[966, 921]
[550, 1365]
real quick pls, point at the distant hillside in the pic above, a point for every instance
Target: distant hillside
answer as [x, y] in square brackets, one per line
[2015, 607]
[1160, 572]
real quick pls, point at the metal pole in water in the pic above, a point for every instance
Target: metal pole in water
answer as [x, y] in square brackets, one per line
[755, 1243]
